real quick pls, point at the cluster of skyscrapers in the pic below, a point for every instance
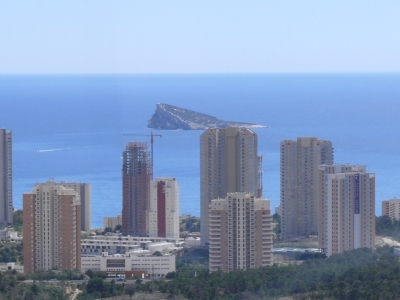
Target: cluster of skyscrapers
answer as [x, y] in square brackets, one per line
[150, 207]
[235, 220]
[334, 201]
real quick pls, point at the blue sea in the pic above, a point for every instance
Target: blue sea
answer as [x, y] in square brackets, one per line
[74, 127]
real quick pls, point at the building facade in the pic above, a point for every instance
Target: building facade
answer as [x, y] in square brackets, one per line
[51, 228]
[229, 163]
[137, 172]
[391, 208]
[85, 195]
[6, 199]
[347, 214]
[299, 192]
[164, 208]
[130, 264]
[240, 233]
[118, 244]
[112, 222]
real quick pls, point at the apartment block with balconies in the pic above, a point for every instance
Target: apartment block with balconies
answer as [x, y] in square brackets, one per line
[240, 233]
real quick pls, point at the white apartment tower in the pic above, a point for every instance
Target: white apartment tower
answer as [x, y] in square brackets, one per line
[164, 208]
[51, 227]
[229, 163]
[347, 210]
[240, 233]
[299, 176]
[391, 208]
[6, 200]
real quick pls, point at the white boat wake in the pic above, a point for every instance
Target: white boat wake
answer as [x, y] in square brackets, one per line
[51, 150]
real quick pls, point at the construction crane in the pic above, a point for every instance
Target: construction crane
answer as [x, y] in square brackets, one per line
[151, 135]
[152, 143]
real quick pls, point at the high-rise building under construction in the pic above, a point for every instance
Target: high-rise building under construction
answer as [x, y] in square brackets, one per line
[137, 172]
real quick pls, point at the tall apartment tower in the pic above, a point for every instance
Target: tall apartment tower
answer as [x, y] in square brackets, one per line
[391, 208]
[240, 233]
[137, 172]
[164, 208]
[229, 163]
[84, 191]
[347, 210]
[51, 227]
[299, 176]
[6, 200]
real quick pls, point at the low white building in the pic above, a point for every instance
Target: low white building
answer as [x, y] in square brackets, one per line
[129, 264]
[161, 246]
[115, 244]
[11, 266]
[192, 241]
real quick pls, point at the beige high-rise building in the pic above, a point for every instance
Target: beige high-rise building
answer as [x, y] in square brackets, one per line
[347, 210]
[84, 191]
[164, 208]
[229, 163]
[6, 199]
[240, 233]
[391, 208]
[51, 228]
[299, 193]
[112, 222]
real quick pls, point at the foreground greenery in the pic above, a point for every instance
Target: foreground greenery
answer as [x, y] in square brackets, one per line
[97, 288]
[11, 252]
[53, 274]
[356, 274]
[12, 288]
[17, 220]
[385, 226]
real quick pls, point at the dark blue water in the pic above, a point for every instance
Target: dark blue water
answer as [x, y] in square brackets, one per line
[83, 119]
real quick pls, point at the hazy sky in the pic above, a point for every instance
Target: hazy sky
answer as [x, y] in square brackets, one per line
[146, 36]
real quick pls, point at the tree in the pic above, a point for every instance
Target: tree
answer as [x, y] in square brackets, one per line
[17, 220]
[118, 228]
[94, 284]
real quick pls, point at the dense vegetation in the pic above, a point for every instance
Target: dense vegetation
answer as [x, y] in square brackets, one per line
[117, 229]
[191, 224]
[97, 288]
[12, 288]
[53, 274]
[385, 226]
[11, 252]
[17, 220]
[356, 274]
[277, 229]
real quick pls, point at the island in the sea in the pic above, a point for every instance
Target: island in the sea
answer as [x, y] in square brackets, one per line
[171, 117]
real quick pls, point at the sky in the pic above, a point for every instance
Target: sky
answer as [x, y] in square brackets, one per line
[137, 36]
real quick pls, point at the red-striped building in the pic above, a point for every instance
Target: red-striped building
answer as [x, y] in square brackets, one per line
[164, 208]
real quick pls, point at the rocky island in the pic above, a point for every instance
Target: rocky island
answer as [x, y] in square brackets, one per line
[171, 117]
